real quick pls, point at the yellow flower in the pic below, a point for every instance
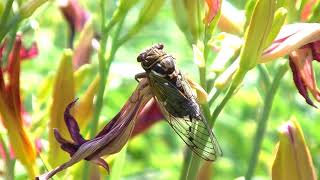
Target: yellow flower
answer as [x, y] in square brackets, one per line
[293, 160]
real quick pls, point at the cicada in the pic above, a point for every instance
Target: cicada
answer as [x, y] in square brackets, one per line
[177, 102]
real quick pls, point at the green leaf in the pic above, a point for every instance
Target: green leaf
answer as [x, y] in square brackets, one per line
[119, 164]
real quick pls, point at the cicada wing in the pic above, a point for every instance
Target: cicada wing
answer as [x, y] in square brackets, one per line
[195, 132]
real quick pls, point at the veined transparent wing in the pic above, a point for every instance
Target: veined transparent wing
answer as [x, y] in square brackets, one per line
[195, 132]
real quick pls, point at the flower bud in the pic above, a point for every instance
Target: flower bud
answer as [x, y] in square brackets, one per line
[293, 160]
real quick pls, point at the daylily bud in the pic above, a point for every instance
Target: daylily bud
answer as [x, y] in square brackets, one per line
[293, 160]
[225, 78]
[84, 109]
[213, 8]
[75, 15]
[63, 93]
[181, 17]
[84, 48]
[29, 7]
[227, 22]
[257, 33]
[81, 74]
[278, 21]
[229, 46]
[186, 12]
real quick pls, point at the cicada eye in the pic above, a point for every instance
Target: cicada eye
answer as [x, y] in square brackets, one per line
[141, 57]
[159, 69]
[160, 46]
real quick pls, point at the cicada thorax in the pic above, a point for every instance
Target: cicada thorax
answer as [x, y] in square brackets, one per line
[159, 64]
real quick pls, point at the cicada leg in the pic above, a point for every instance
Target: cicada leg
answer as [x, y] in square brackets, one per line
[142, 85]
[140, 76]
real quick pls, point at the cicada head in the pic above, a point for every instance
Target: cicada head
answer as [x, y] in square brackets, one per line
[151, 56]
[156, 60]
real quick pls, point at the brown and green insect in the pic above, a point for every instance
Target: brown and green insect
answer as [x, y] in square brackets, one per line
[178, 102]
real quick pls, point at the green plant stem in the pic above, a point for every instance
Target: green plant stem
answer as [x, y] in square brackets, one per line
[9, 172]
[214, 97]
[192, 162]
[192, 165]
[264, 74]
[5, 14]
[224, 101]
[104, 68]
[102, 73]
[102, 65]
[12, 23]
[11, 39]
[263, 118]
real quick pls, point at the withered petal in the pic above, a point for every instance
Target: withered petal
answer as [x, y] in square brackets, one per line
[110, 140]
[76, 17]
[302, 88]
[109, 126]
[315, 47]
[72, 124]
[66, 145]
[101, 162]
[149, 115]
